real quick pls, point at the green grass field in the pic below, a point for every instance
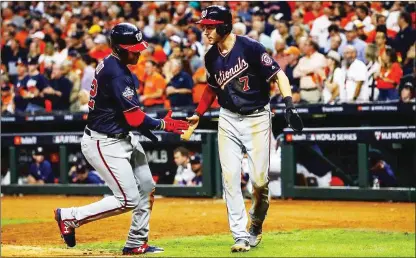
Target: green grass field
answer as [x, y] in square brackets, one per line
[305, 243]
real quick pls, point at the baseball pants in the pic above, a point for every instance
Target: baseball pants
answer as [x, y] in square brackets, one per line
[252, 132]
[123, 165]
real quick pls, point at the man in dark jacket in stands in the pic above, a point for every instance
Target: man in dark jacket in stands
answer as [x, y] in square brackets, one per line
[58, 90]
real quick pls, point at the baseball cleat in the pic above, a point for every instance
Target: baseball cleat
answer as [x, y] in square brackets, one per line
[144, 248]
[67, 233]
[240, 245]
[255, 235]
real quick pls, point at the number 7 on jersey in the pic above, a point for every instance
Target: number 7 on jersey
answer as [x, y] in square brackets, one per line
[244, 80]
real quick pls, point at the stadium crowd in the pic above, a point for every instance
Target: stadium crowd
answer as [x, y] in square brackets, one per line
[332, 52]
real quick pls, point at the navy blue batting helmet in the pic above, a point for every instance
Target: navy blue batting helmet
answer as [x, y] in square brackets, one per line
[128, 37]
[219, 16]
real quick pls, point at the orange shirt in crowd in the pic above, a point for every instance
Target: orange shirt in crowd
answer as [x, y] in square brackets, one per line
[347, 19]
[21, 37]
[7, 98]
[159, 55]
[138, 69]
[152, 84]
[199, 88]
[100, 54]
[395, 73]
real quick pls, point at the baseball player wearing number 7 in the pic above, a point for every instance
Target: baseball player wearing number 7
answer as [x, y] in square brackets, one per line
[111, 148]
[239, 73]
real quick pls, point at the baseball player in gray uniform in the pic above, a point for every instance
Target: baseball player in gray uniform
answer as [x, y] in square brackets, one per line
[239, 73]
[111, 148]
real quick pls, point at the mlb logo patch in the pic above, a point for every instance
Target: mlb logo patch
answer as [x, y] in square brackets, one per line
[128, 93]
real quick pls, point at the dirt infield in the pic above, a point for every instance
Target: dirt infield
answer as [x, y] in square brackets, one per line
[173, 217]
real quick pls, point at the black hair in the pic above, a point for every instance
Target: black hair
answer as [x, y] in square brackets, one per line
[383, 29]
[363, 8]
[406, 17]
[391, 53]
[333, 27]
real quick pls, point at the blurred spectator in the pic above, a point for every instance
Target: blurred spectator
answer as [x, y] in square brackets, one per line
[72, 69]
[258, 14]
[192, 57]
[34, 86]
[180, 84]
[293, 54]
[336, 40]
[7, 95]
[196, 166]
[353, 40]
[406, 36]
[264, 39]
[407, 93]
[40, 171]
[184, 173]
[297, 32]
[394, 13]
[77, 44]
[363, 16]
[319, 31]
[101, 48]
[94, 30]
[88, 73]
[283, 28]
[239, 28]
[154, 86]
[296, 97]
[175, 42]
[253, 34]
[58, 89]
[308, 70]
[409, 63]
[381, 39]
[279, 54]
[11, 53]
[389, 77]
[380, 20]
[311, 15]
[380, 169]
[61, 53]
[355, 77]
[34, 48]
[243, 11]
[360, 30]
[334, 78]
[373, 68]
[409, 82]
[83, 175]
[194, 37]
[200, 82]
[335, 43]
[81, 105]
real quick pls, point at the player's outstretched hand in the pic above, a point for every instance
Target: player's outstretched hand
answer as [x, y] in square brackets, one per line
[293, 119]
[172, 125]
[194, 119]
